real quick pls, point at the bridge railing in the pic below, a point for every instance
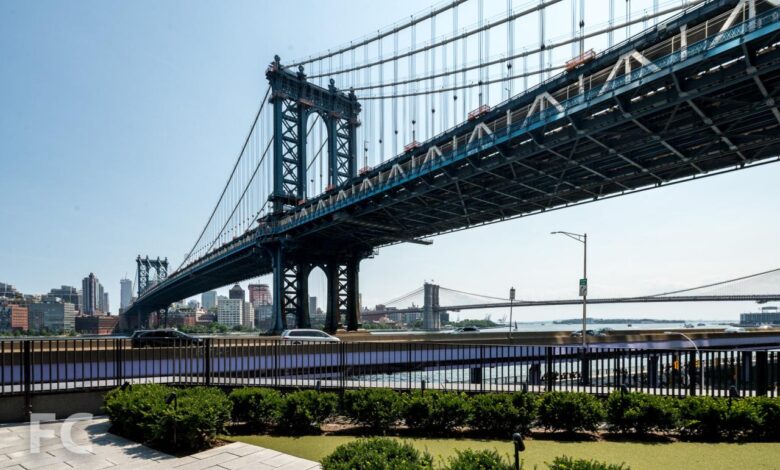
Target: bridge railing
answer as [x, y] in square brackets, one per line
[40, 366]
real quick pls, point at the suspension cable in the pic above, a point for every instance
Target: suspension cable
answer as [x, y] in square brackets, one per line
[715, 284]
[445, 40]
[415, 19]
[235, 166]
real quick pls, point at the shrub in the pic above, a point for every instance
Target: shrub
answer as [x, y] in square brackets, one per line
[502, 414]
[568, 463]
[260, 407]
[141, 413]
[570, 412]
[478, 460]
[377, 454]
[435, 411]
[305, 410]
[132, 411]
[769, 413]
[641, 413]
[702, 417]
[378, 408]
[193, 423]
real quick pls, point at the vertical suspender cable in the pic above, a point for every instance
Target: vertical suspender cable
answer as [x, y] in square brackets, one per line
[454, 67]
[395, 93]
[582, 28]
[510, 48]
[412, 99]
[628, 18]
[542, 46]
[432, 131]
[655, 12]
[574, 27]
[487, 67]
[480, 47]
[381, 104]
[611, 34]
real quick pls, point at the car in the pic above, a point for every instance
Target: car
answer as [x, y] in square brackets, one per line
[734, 329]
[301, 335]
[162, 338]
[578, 333]
[465, 329]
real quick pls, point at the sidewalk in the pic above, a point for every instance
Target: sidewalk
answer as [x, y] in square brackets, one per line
[113, 452]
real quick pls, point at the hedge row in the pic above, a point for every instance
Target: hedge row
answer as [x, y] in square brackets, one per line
[388, 454]
[167, 418]
[437, 413]
[148, 413]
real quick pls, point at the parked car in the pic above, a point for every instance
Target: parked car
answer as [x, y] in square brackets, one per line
[578, 333]
[465, 329]
[300, 335]
[162, 338]
[734, 329]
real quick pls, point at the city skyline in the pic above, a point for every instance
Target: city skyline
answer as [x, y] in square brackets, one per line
[673, 237]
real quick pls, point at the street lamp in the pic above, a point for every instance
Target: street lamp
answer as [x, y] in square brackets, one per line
[686, 337]
[511, 302]
[582, 238]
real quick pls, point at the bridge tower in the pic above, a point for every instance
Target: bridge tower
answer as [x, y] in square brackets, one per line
[294, 99]
[431, 313]
[149, 272]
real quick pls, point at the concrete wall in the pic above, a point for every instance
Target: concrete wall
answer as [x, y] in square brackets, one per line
[63, 404]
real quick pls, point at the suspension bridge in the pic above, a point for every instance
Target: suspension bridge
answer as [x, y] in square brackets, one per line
[435, 125]
[431, 300]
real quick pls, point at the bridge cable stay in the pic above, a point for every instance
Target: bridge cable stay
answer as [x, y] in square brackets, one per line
[754, 282]
[408, 295]
[230, 178]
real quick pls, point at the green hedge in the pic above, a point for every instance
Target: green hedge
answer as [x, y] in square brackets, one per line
[640, 413]
[478, 460]
[305, 410]
[502, 413]
[376, 408]
[258, 407]
[435, 412]
[190, 422]
[377, 454]
[570, 412]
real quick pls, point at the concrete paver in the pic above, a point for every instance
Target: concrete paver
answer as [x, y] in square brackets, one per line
[109, 452]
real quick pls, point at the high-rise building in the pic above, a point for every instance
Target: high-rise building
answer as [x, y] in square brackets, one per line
[64, 294]
[13, 318]
[53, 316]
[193, 304]
[104, 306]
[312, 305]
[259, 294]
[101, 298]
[125, 293]
[248, 315]
[229, 312]
[208, 299]
[8, 291]
[236, 292]
[89, 293]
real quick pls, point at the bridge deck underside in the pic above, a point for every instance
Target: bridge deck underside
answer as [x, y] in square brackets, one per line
[643, 138]
[713, 114]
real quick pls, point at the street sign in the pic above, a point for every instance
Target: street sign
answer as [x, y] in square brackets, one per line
[583, 287]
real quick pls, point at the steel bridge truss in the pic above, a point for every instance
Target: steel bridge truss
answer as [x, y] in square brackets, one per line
[291, 281]
[294, 99]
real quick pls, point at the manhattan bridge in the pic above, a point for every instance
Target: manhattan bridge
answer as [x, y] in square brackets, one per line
[441, 123]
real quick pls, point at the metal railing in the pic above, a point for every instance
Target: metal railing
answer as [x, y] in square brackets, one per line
[37, 366]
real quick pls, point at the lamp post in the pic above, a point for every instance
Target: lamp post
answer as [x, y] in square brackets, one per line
[693, 343]
[511, 302]
[582, 238]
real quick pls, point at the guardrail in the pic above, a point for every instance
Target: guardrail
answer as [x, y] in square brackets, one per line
[33, 366]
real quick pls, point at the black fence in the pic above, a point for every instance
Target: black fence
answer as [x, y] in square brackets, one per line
[36, 366]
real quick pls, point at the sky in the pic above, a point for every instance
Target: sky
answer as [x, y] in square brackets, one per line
[119, 123]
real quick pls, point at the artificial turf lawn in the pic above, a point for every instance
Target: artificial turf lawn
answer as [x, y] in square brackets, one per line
[639, 456]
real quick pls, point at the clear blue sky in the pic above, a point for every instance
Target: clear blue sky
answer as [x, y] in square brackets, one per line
[119, 122]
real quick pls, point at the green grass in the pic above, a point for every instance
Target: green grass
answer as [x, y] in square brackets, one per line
[640, 456]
